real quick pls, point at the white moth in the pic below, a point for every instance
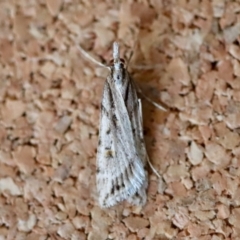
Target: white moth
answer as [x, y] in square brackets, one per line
[121, 154]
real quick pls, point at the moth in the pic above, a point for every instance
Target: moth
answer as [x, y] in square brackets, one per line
[121, 152]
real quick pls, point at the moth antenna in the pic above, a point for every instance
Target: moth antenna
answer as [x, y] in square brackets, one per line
[90, 58]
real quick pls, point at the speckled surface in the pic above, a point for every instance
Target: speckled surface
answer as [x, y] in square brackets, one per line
[49, 113]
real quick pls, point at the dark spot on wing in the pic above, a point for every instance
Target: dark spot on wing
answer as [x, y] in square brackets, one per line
[109, 153]
[108, 131]
[104, 110]
[112, 189]
[112, 104]
[111, 98]
[118, 187]
[127, 174]
[109, 95]
[131, 168]
[122, 180]
[97, 170]
[134, 131]
[126, 94]
[114, 118]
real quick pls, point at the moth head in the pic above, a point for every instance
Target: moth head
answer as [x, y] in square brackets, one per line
[117, 63]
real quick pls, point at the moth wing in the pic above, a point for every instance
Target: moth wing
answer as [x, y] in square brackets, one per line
[140, 197]
[136, 119]
[120, 169]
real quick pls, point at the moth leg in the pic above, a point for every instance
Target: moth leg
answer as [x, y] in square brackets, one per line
[148, 160]
[90, 58]
[152, 167]
[150, 100]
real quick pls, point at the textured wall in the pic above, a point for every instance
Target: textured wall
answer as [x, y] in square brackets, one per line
[186, 57]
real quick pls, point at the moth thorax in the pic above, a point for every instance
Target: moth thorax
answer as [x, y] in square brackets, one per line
[119, 75]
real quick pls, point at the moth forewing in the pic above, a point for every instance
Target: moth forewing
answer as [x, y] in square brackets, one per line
[121, 152]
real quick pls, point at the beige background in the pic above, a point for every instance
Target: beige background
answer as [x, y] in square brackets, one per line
[49, 113]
